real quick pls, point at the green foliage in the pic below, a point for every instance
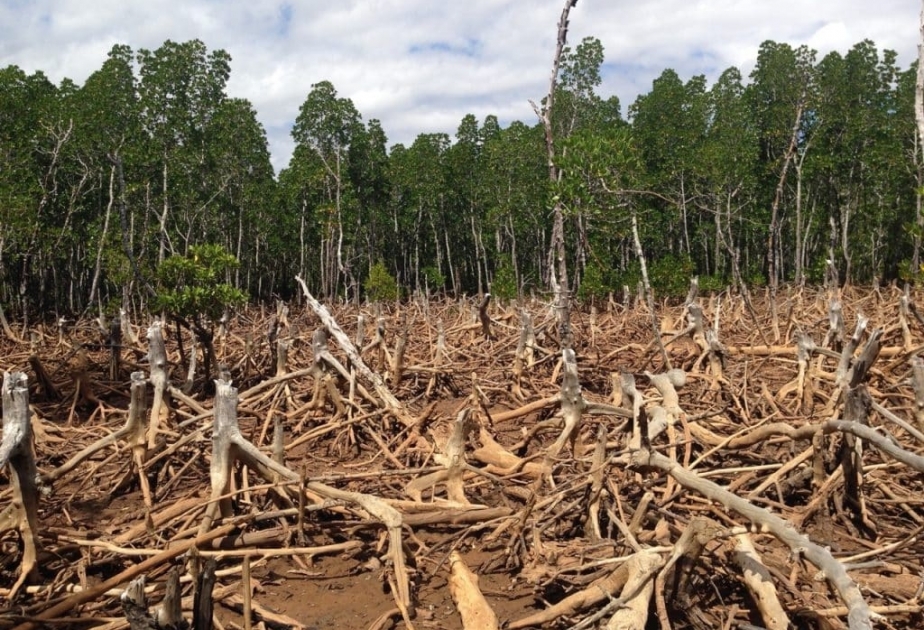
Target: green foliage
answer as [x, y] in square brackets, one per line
[504, 286]
[670, 275]
[908, 273]
[380, 285]
[594, 285]
[150, 152]
[192, 286]
[435, 280]
[710, 284]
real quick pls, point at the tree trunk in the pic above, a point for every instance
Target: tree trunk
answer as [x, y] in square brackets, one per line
[557, 248]
[919, 119]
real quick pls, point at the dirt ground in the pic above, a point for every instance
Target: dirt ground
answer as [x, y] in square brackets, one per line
[537, 514]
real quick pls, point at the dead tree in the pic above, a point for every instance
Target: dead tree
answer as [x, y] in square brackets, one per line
[453, 460]
[17, 450]
[919, 119]
[859, 614]
[557, 255]
[229, 445]
[572, 404]
[166, 616]
[484, 318]
[133, 433]
[157, 357]
[917, 382]
[386, 397]
[115, 349]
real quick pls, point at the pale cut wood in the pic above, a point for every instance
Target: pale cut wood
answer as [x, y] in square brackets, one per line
[157, 357]
[453, 459]
[474, 609]
[391, 403]
[636, 594]
[17, 450]
[759, 583]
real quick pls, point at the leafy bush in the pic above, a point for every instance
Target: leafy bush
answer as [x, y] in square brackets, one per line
[670, 275]
[435, 280]
[708, 284]
[907, 273]
[504, 286]
[594, 284]
[192, 286]
[380, 285]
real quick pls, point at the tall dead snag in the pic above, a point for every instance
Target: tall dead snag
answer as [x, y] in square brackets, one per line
[649, 298]
[858, 616]
[115, 349]
[229, 445]
[557, 248]
[387, 398]
[484, 318]
[157, 357]
[919, 119]
[16, 449]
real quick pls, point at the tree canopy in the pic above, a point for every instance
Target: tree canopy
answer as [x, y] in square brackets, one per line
[766, 176]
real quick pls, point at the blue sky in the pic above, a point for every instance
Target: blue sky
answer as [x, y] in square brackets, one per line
[420, 65]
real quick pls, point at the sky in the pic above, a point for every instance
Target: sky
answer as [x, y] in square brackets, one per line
[419, 66]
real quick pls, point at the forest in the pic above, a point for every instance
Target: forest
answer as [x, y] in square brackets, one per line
[755, 180]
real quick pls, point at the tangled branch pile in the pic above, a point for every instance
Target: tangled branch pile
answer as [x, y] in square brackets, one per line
[453, 450]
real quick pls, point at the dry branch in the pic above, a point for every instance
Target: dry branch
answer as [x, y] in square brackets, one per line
[389, 400]
[859, 617]
[757, 578]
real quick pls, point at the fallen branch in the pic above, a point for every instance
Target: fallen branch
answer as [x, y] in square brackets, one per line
[859, 617]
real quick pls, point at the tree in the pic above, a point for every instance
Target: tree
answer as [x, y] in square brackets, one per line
[194, 290]
[245, 214]
[670, 124]
[181, 88]
[326, 126]
[369, 178]
[727, 165]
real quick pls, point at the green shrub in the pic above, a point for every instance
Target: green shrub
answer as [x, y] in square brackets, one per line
[504, 286]
[594, 284]
[435, 280]
[709, 284]
[670, 275]
[380, 285]
[192, 286]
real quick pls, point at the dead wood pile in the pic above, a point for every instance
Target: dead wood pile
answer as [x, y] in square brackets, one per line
[758, 483]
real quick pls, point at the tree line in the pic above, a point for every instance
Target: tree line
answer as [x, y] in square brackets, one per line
[806, 167]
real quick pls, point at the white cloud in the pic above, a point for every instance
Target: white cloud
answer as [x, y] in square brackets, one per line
[420, 65]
